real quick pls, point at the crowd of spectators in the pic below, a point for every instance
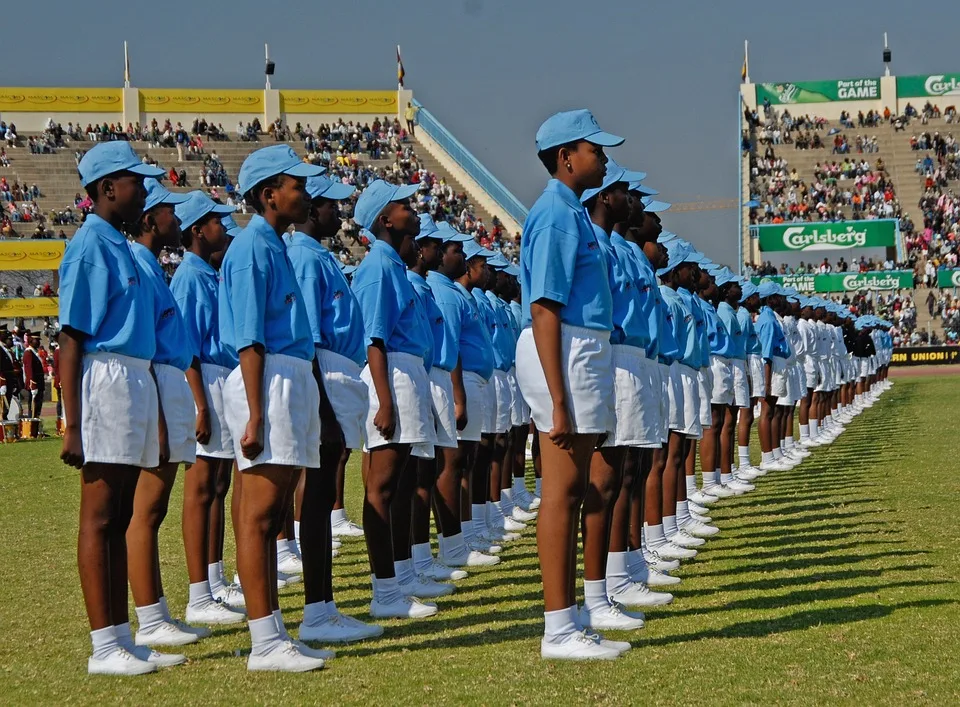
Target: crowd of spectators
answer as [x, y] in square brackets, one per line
[859, 265]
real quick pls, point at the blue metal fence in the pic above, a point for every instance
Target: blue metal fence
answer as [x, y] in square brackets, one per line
[470, 164]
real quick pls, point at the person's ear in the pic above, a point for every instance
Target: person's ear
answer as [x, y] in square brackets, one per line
[563, 159]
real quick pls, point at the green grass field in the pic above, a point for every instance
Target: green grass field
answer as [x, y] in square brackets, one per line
[833, 583]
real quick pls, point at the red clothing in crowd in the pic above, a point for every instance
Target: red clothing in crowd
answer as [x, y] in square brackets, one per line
[32, 371]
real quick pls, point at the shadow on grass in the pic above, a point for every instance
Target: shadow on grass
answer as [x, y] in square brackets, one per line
[803, 563]
[816, 578]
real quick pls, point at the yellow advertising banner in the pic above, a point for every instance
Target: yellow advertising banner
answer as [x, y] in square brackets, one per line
[31, 255]
[339, 102]
[199, 101]
[61, 100]
[29, 307]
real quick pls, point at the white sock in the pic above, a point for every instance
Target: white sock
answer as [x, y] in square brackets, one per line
[422, 556]
[332, 610]
[200, 594]
[717, 476]
[683, 514]
[692, 484]
[315, 614]
[636, 563]
[814, 428]
[777, 454]
[478, 511]
[766, 457]
[294, 548]
[403, 569]
[518, 487]
[557, 625]
[654, 535]
[506, 501]
[214, 577]
[789, 443]
[223, 578]
[104, 642]
[618, 574]
[149, 617]
[281, 629]
[264, 634]
[386, 590]
[669, 526]
[296, 531]
[453, 545]
[536, 487]
[783, 445]
[124, 637]
[595, 594]
[283, 551]
[166, 609]
[725, 479]
[744, 454]
[338, 516]
[804, 432]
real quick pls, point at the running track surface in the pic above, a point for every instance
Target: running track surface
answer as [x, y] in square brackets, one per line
[923, 371]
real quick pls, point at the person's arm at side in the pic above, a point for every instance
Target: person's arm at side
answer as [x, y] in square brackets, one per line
[384, 420]
[251, 368]
[71, 366]
[330, 431]
[545, 315]
[459, 396]
[195, 381]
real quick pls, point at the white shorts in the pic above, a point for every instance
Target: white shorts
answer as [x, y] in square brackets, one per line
[119, 417]
[519, 410]
[588, 379]
[475, 388]
[823, 376]
[179, 411]
[637, 409]
[220, 445]
[412, 406]
[445, 416]
[497, 417]
[348, 395]
[722, 372]
[291, 413]
[811, 372]
[661, 377]
[758, 383]
[705, 389]
[741, 383]
[686, 401]
[778, 378]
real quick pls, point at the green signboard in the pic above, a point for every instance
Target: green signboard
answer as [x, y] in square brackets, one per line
[948, 278]
[844, 281]
[841, 235]
[934, 85]
[819, 91]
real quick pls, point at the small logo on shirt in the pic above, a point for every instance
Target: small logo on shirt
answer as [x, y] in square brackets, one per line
[167, 313]
[290, 298]
[338, 294]
[687, 318]
[438, 320]
[131, 281]
[592, 245]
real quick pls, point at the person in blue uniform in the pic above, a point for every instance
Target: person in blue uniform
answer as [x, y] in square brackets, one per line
[749, 306]
[773, 345]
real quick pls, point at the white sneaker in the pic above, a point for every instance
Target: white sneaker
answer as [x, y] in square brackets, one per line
[720, 491]
[512, 525]
[286, 580]
[291, 564]
[740, 486]
[481, 546]
[321, 653]
[119, 662]
[809, 443]
[198, 631]
[655, 578]
[576, 646]
[440, 572]
[700, 530]
[346, 529]
[285, 658]
[658, 562]
[498, 535]
[639, 594]
[685, 539]
[403, 608]
[703, 519]
[214, 612]
[469, 558]
[611, 616]
[671, 551]
[800, 452]
[696, 508]
[424, 587]
[620, 647]
[165, 634]
[231, 595]
[335, 544]
[521, 515]
[746, 474]
[702, 498]
[161, 660]
[339, 629]
[534, 503]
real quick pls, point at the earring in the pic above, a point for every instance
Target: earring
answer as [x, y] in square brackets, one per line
[569, 168]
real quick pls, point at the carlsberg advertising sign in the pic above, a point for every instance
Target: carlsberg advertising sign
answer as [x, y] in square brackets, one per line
[819, 91]
[948, 278]
[841, 235]
[845, 282]
[936, 85]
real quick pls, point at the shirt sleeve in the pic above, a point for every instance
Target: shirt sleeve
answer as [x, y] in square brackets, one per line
[193, 318]
[552, 256]
[248, 297]
[84, 294]
[380, 308]
[768, 339]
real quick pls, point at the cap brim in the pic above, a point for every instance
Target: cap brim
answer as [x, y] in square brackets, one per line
[405, 191]
[146, 170]
[222, 209]
[631, 176]
[303, 169]
[338, 191]
[173, 198]
[458, 238]
[656, 206]
[604, 139]
[642, 189]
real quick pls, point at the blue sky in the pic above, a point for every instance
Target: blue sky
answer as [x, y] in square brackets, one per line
[663, 75]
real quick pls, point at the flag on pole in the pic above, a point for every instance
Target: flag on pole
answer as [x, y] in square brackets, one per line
[400, 72]
[745, 70]
[126, 67]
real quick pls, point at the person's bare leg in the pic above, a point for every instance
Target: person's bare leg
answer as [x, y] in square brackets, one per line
[195, 520]
[727, 431]
[603, 487]
[448, 495]
[653, 501]
[425, 480]
[319, 494]
[341, 478]
[218, 525]
[119, 606]
[383, 469]
[624, 504]
[150, 502]
[401, 510]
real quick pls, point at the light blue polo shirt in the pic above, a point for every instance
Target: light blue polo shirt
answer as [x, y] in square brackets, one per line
[673, 326]
[749, 331]
[103, 295]
[770, 334]
[446, 351]
[622, 292]
[434, 318]
[336, 322]
[561, 261]
[516, 313]
[503, 338]
[476, 347]
[636, 323]
[651, 301]
[737, 342]
[173, 349]
[700, 318]
[391, 309]
[492, 322]
[260, 300]
[688, 339]
[717, 336]
[195, 287]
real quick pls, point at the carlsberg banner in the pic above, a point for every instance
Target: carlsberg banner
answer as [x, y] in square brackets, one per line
[819, 91]
[921, 86]
[841, 235]
[844, 282]
[948, 278]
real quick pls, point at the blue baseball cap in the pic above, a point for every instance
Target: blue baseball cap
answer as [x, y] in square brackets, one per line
[197, 206]
[158, 194]
[723, 276]
[329, 189]
[666, 236]
[677, 252]
[767, 289]
[498, 261]
[472, 249]
[452, 235]
[269, 162]
[347, 270]
[233, 230]
[512, 270]
[615, 174]
[749, 289]
[643, 189]
[428, 229]
[376, 197]
[573, 125]
[107, 158]
[653, 206]
[694, 256]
